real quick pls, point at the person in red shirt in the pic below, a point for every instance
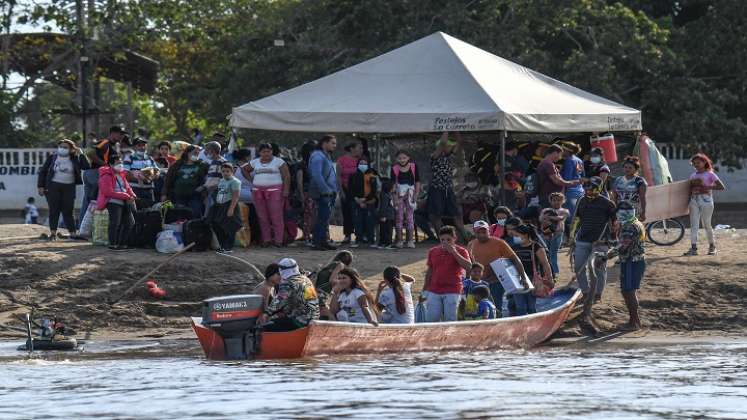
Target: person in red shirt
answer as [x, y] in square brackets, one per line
[443, 279]
[548, 176]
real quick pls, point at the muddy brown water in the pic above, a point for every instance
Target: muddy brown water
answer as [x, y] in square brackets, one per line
[172, 380]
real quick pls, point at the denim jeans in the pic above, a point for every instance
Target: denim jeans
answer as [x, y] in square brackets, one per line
[553, 248]
[581, 255]
[90, 189]
[364, 223]
[496, 292]
[570, 203]
[526, 303]
[324, 207]
[441, 307]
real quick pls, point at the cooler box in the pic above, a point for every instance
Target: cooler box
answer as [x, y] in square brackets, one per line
[509, 277]
[606, 142]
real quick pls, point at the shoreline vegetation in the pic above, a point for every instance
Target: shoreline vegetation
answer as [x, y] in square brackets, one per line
[683, 299]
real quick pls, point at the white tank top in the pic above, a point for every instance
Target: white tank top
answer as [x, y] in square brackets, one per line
[267, 174]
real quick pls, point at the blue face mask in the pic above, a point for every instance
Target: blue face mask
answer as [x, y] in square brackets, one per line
[363, 168]
[517, 239]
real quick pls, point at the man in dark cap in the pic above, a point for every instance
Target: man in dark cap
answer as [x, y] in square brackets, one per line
[98, 155]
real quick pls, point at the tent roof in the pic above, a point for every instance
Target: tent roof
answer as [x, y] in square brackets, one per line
[437, 83]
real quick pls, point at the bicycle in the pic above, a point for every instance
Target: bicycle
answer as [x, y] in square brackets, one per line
[665, 232]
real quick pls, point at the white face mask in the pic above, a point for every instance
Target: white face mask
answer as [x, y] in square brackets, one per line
[596, 159]
[500, 222]
[194, 158]
[118, 167]
[517, 240]
[63, 151]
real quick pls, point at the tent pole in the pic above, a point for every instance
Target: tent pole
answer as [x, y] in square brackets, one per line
[503, 167]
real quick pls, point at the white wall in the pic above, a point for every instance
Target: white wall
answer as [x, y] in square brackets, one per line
[735, 181]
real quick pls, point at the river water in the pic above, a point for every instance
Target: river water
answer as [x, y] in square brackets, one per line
[171, 380]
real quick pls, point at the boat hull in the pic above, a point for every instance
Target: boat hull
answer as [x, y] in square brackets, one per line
[335, 338]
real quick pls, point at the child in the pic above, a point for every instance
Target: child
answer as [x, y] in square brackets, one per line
[223, 216]
[632, 261]
[386, 213]
[351, 300]
[485, 307]
[501, 214]
[552, 222]
[30, 212]
[325, 279]
[394, 297]
[468, 303]
[267, 287]
[406, 179]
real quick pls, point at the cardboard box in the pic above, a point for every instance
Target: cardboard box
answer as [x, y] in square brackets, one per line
[509, 277]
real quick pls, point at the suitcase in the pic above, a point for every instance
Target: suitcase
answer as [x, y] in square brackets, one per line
[199, 232]
[146, 229]
[178, 213]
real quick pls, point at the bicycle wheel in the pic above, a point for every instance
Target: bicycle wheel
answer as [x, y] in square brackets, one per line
[665, 232]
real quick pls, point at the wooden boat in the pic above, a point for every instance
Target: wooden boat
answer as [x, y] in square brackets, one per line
[62, 344]
[334, 338]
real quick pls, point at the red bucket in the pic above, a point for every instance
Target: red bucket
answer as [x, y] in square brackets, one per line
[606, 142]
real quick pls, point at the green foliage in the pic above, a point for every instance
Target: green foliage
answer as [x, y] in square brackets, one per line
[682, 63]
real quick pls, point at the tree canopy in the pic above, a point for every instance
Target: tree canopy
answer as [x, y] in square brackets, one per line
[682, 62]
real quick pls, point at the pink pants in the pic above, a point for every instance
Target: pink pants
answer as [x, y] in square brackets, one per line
[405, 213]
[269, 204]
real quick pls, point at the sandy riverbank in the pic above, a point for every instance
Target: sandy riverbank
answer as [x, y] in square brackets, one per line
[683, 296]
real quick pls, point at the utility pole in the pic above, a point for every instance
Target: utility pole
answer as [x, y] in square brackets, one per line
[82, 62]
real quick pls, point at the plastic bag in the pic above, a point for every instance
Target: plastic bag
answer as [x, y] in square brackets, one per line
[86, 225]
[244, 235]
[169, 242]
[100, 234]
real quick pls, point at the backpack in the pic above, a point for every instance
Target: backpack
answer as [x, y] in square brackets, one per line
[199, 232]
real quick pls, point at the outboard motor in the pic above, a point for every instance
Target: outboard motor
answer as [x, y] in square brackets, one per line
[235, 319]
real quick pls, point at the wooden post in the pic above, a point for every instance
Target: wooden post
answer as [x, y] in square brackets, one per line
[503, 167]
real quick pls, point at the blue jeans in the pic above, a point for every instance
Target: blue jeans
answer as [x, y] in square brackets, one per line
[496, 292]
[526, 303]
[324, 207]
[570, 204]
[364, 223]
[553, 248]
[441, 307]
[581, 255]
[90, 189]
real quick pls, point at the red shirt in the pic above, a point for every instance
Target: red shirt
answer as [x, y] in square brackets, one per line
[446, 273]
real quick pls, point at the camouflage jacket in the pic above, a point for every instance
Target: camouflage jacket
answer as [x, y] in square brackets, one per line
[296, 298]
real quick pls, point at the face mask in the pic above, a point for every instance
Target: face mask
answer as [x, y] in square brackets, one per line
[63, 151]
[194, 158]
[139, 153]
[118, 167]
[471, 185]
[517, 239]
[363, 168]
[596, 159]
[501, 222]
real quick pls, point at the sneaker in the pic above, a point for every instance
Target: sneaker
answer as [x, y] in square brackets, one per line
[117, 248]
[390, 248]
[411, 244]
[399, 245]
[220, 251]
[712, 249]
[691, 252]
[228, 251]
[374, 246]
[53, 238]
[352, 243]
[308, 243]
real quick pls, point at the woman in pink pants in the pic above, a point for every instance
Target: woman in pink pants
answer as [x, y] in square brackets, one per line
[270, 188]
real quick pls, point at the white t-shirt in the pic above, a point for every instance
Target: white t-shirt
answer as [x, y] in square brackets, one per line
[267, 174]
[63, 171]
[350, 309]
[391, 315]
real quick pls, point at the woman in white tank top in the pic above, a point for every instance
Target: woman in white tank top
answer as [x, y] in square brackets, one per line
[270, 189]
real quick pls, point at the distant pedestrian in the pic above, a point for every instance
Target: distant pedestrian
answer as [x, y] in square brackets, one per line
[30, 212]
[184, 182]
[442, 202]
[363, 187]
[347, 165]
[323, 189]
[702, 184]
[141, 172]
[223, 216]
[270, 188]
[632, 261]
[631, 187]
[98, 155]
[404, 174]
[117, 197]
[58, 178]
[386, 214]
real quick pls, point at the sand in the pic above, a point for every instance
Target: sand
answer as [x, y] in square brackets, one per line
[703, 295]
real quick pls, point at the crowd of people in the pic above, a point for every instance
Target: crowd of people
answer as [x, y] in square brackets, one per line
[524, 213]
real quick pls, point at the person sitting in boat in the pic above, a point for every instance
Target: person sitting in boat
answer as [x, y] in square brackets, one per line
[326, 277]
[394, 297]
[269, 285]
[468, 303]
[351, 300]
[485, 307]
[295, 304]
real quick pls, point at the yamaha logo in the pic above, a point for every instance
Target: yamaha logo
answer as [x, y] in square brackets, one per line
[230, 305]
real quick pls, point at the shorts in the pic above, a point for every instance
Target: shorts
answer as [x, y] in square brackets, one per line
[631, 274]
[442, 203]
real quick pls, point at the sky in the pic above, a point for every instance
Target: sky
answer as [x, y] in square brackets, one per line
[15, 78]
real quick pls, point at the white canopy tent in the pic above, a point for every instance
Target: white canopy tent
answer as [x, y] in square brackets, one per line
[436, 84]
